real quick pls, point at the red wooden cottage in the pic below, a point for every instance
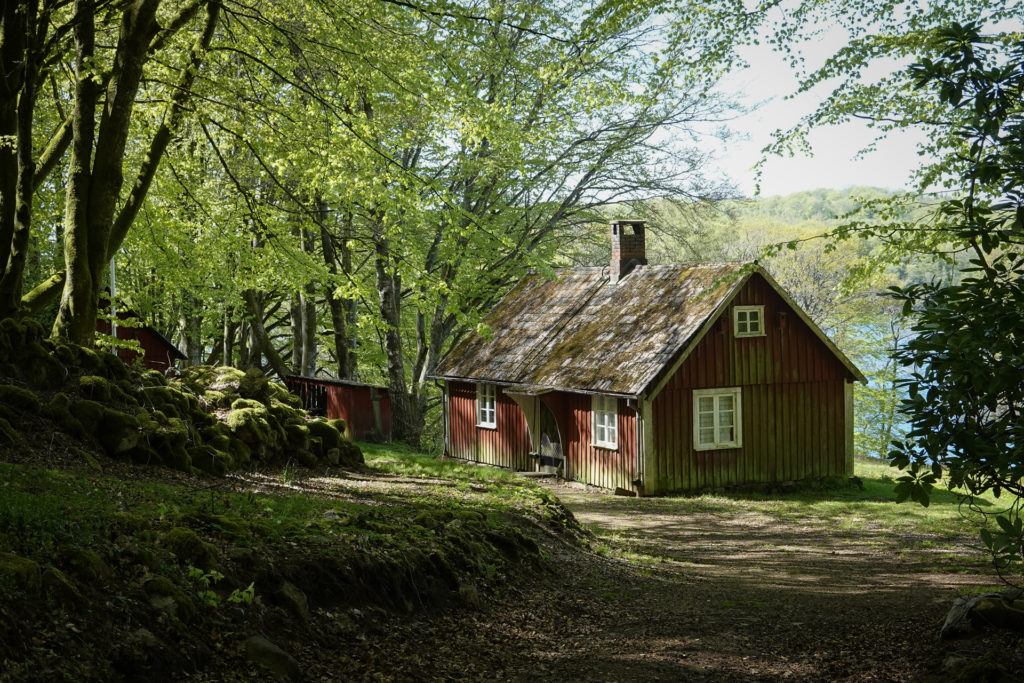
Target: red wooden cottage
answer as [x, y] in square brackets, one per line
[652, 378]
[366, 408]
[158, 353]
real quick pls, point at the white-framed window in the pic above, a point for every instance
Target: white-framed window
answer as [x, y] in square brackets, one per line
[605, 412]
[748, 321]
[486, 405]
[717, 419]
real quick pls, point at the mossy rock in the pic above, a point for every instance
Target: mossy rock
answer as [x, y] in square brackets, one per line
[211, 432]
[95, 388]
[153, 378]
[254, 385]
[297, 436]
[341, 426]
[163, 398]
[329, 436]
[89, 413]
[38, 368]
[216, 399]
[243, 403]
[174, 601]
[61, 589]
[188, 547]
[250, 425]
[221, 442]
[227, 525]
[142, 454]
[101, 389]
[350, 454]
[8, 435]
[304, 457]
[19, 573]
[19, 398]
[118, 431]
[279, 392]
[222, 378]
[198, 378]
[85, 563]
[175, 457]
[240, 452]
[210, 460]
[113, 367]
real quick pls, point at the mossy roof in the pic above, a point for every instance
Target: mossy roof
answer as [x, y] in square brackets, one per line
[578, 331]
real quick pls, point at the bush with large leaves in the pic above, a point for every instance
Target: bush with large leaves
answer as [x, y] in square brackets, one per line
[965, 390]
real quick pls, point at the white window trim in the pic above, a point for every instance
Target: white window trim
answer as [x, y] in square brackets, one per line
[736, 321]
[737, 396]
[486, 406]
[605, 406]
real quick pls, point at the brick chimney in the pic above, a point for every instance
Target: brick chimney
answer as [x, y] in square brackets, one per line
[628, 248]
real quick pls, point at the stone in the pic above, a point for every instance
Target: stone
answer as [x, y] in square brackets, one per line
[166, 597]
[117, 431]
[8, 435]
[262, 651]
[61, 589]
[293, 599]
[188, 547]
[19, 398]
[21, 572]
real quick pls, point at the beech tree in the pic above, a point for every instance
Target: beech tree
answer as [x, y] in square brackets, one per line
[111, 45]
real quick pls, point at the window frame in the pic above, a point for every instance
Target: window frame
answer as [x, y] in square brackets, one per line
[599, 414]
[736, 393]
[737, 310]
[487, 403]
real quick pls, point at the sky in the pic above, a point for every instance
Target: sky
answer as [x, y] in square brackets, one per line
[833, 165]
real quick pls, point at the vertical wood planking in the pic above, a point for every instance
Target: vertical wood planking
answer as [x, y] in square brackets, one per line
[792, 401]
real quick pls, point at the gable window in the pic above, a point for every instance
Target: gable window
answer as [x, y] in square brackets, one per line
[486, 409]
[748, 321]
[717, 419]
[605, 412]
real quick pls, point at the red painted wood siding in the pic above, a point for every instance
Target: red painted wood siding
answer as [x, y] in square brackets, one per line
[156, 353]
[354, 405]
[585, 462]
[793, 403]
[506, 445]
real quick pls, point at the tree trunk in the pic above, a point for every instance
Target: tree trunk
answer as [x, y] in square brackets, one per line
[92, 232]
[76, 317]
[405, 409]
[229, 337]
[19, 62]
[338, 258]
[255, 311]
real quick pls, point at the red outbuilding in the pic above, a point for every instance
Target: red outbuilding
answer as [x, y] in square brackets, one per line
[366, 408]
[158, 353]
[652, 379]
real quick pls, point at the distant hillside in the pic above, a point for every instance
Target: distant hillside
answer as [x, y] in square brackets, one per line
[822, 205]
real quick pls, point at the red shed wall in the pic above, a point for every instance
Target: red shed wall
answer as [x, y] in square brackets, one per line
[156, 354]
[585, 462]
[793, 403]
[507, 445]
[354, 404]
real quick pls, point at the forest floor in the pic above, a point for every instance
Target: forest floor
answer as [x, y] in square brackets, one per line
[816, 585]
[716, 589]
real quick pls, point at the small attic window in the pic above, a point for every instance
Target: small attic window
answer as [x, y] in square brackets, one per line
[748, 321]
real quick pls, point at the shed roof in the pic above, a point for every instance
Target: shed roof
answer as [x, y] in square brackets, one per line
[578, 331]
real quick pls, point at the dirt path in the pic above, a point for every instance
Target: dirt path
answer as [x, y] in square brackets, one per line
[712, 596]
